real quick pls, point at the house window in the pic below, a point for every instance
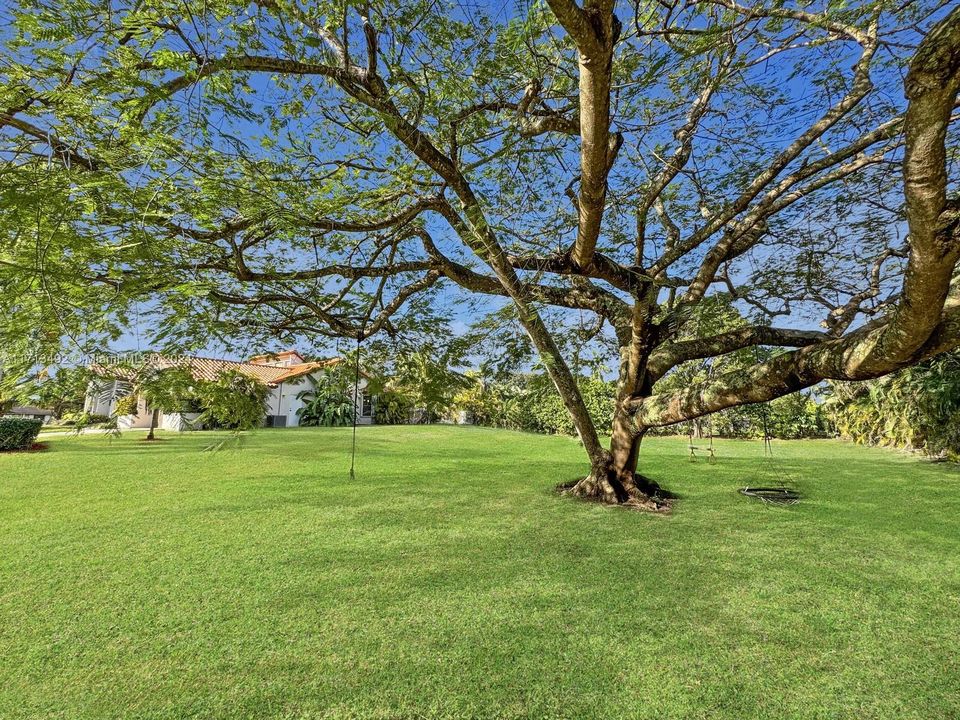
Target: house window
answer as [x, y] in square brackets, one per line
[366, 405]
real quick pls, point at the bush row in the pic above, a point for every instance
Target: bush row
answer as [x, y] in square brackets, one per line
[18, 433]
[917, 408]
[531, 403]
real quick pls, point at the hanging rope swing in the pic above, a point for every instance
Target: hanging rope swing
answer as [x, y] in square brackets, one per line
[357, 400]
[365, 322]
[711, 454]
[781, 494]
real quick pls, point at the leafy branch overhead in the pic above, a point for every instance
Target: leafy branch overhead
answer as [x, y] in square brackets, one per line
[315, 168]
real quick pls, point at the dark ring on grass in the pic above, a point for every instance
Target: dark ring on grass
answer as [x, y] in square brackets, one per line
[780, 495]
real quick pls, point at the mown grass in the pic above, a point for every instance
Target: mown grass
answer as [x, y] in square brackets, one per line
[157, 581]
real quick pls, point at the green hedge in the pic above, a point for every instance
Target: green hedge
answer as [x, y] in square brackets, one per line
[916, 408]
[18, 433]
[531, 403]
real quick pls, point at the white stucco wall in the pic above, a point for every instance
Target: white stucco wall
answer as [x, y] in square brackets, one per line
[283, 400]
[179, 422]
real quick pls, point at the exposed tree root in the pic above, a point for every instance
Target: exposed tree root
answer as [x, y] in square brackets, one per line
[641, 493]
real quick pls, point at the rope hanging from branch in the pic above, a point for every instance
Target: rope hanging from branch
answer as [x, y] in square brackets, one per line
[780, 495]
[356, 411]
[712, 456]
[764, 415]
[357, 398]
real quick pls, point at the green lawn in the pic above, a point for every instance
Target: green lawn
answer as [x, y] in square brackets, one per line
[55, 428]
[157, 581]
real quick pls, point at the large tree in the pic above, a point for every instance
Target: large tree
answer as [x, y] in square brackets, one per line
[336, 168]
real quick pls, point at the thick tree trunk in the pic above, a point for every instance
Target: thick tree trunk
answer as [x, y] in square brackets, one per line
[154, 420]
[616, 480]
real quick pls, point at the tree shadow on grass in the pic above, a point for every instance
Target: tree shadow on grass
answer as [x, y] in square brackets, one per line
[132, 445]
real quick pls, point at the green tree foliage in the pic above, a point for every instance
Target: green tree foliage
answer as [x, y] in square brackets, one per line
[915, 408]
[329, 400]
[127, 405]
[65, 286]
[164, 390]
[393, 407]
[790, 417]
[427, 378]
[233, 401]
[62, 392]
[797, 416]
[83, 420]
[530, 402]
[793, 417]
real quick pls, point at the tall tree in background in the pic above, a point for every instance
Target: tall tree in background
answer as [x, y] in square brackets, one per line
[338, 169]
[164, 390]
[60, 393]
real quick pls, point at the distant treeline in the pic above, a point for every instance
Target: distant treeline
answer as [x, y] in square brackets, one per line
[529, 402]
[917, 409]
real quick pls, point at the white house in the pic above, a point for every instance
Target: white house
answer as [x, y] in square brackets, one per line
[286, 375]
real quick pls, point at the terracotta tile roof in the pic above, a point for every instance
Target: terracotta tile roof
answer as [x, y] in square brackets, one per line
[276, 358]
[295, 371]
[210, 369]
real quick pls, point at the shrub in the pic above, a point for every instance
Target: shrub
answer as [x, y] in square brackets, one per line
[531, 403]
[233, 401]
[917, 408]
[326, 411]
[126, 405]
[392, 408]
[85, 419]
[329, 401]
[18, 433]
[429, 381]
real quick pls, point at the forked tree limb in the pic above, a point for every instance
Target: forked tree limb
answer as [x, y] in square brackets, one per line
[926, 317]
[595, 29]
[670, 355]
